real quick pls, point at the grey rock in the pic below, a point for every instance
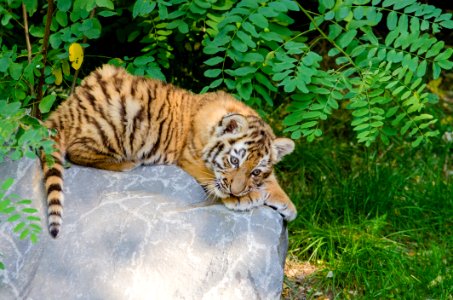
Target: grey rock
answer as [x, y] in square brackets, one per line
[143, 234]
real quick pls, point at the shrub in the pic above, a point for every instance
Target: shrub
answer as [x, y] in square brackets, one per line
[369, 57]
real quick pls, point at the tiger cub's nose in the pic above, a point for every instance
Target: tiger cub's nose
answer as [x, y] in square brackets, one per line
[237, 187]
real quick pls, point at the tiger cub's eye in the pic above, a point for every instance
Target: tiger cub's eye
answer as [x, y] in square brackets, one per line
[234, 161]
[256, 172]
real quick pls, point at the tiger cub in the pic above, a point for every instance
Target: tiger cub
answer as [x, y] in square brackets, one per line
[117, 121]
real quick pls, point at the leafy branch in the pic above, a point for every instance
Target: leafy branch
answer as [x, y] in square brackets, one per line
[290, 64]
[19, 213]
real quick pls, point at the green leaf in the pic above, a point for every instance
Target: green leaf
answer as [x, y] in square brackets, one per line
[390, 38]
[346, 38]
[36, 31]
[445, 64]
[24, 234]
[212, 73]
[424, 25]
[398, 90]
[183, 27]
[361, 112]
[62, 18]
[329, 4]
[216, 83]
[444, 55]
[245, 38]
[415, 25]
[421, 70]
[359, 12]
[213, 61]
[64, 5]
[403, 23]
[296, 135]
[106, 3]
[387, 3]
[250, 29]
[342, 12]
[308, 124]
[369, 34]
[447, 24]
[361, 127]
[311, 115]
[405, 95]
[4, 64]
[391, 111]
[239, 46]
[107, 13]
[15, 70]
[259, 20]
[33, 218]
[253, 57]
[143, 60]
[7, 183]
[211, 49]
[242, 71]
[392, 20]
[265, 81]
[13, 218]
[29, 210]
[244, 90]
[434, 50]
[403, 3]
[31, 5]
[19, 227]
[46, 103]
[25, 202]
[330, 15]
[332, 103]
[143, 7]
[417, 141]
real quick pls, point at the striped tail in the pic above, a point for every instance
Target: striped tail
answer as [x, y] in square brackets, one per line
[53, 181]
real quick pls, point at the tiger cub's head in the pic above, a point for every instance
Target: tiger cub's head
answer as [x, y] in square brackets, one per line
[242, 152]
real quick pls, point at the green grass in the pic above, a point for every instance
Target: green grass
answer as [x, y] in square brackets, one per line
[377, 221]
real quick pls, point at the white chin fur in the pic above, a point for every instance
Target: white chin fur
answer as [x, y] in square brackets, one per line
[220, 194]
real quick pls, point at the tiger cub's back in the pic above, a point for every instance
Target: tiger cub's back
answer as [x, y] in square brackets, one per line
[116, 121]
[127, 116]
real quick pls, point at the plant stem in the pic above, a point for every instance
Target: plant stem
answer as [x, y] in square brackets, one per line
[27, 36]
[326, 37]
[45, 43]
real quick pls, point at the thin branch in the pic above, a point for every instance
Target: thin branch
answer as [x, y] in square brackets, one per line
[76, 74]
[326, 37]
[27, 36]
[45, 45]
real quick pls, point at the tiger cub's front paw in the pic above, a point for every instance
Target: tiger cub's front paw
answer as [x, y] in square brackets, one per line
[247, 202]
[285, 208]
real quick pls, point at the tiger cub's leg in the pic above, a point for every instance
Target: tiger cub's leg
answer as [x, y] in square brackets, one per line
[249, 201]
[271, 194]
[87, 155]
[277, 199]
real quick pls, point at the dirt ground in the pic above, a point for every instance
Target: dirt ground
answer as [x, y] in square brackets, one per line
[296, 286]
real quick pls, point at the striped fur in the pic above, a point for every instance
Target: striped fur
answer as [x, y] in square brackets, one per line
[117, 121]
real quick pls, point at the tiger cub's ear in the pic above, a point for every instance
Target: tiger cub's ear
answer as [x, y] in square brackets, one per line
[232, 124]
[282, 147]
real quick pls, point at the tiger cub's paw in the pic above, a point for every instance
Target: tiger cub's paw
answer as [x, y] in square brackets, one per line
[247, 202]
[285, 208]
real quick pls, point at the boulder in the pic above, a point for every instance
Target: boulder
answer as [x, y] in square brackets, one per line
[143, 234]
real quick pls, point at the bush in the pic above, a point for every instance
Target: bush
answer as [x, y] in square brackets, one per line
[371, 58]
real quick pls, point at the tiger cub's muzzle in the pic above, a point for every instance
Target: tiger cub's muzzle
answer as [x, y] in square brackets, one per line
[238, 186]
